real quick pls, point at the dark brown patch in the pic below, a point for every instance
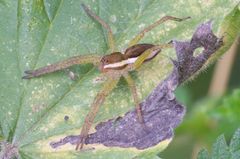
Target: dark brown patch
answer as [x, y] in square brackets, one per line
[137, 50]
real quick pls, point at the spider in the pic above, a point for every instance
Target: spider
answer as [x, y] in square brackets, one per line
[114, 66]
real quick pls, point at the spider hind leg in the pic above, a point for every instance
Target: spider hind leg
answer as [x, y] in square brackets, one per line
[81, 59]
[108, 86]
[133, 90]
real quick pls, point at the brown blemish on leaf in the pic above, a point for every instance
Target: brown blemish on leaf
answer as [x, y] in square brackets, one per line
[8, 150]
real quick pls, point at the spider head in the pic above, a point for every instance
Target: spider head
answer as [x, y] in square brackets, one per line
[112, 61]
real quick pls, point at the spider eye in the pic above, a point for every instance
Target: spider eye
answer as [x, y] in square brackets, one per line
[104, 60]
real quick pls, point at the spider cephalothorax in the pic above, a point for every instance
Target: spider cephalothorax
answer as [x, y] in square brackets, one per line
[115, 65]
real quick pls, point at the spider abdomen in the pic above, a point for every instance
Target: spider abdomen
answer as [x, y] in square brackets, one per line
[118, 61]
[137, 50]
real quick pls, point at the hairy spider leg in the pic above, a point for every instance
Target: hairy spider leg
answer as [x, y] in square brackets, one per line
[108, 86]
[133, 90]
[140, 35]
[82, 59]
[136, 65]
[111, 42]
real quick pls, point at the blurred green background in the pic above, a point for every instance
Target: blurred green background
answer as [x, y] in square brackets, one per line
[212, 101]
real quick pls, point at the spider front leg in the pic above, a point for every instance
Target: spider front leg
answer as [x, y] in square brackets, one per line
[82, 59]
[111, 42]
[109, 85]
[133, 90]
[140, 35]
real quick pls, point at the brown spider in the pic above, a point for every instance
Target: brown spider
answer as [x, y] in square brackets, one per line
[114, 66]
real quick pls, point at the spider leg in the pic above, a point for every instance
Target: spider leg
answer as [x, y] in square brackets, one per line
[133, 90]
[109, 85]
[82, 59]
[146, 53]
[111, 42]
[140, 35]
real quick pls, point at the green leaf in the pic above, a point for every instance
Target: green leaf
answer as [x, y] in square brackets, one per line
[221, 150]
[35, 33]
[203, 154]
[235, 142]
[230, 29]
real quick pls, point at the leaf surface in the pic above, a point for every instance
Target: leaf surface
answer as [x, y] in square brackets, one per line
[36, 33]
